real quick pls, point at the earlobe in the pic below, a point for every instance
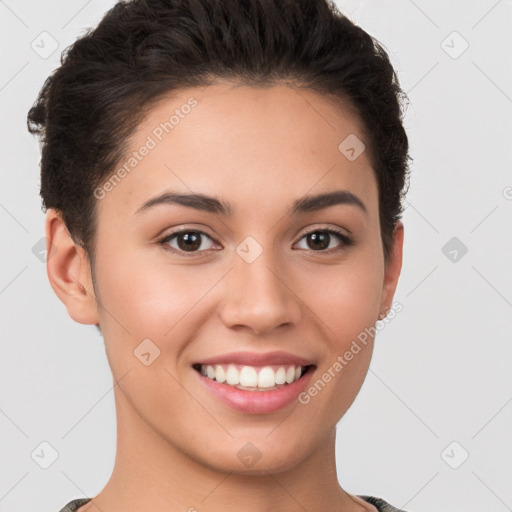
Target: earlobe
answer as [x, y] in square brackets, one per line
[392, 269]
[69, 271]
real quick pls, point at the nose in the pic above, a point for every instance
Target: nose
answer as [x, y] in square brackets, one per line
[258, 298]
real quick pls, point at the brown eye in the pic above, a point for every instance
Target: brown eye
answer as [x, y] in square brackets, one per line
[189, 241]
[186, 241]
[321, 240]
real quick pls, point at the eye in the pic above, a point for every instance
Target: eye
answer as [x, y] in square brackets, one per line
[187, 241]
[320, 240]
[192, 241]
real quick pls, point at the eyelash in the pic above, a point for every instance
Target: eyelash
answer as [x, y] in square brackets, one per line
[346, 241]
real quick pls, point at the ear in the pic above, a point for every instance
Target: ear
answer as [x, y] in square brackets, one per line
[392, 269]
[69, 271]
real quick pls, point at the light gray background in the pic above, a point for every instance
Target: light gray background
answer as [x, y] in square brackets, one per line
[441, 369]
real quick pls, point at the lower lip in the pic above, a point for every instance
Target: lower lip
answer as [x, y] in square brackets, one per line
[257, 402]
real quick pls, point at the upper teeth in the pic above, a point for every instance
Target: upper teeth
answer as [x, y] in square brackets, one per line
[251, 376]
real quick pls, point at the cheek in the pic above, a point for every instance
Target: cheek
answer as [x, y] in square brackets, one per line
[345, 304]
[143, 299]
[345, 297]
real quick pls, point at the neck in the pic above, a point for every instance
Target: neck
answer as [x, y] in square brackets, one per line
[151, 474]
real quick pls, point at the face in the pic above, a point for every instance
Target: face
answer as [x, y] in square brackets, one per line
[180, 281]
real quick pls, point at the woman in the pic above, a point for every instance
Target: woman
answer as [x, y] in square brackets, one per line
[223, 184]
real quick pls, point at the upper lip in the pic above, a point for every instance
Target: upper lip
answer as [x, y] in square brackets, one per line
[257, 359]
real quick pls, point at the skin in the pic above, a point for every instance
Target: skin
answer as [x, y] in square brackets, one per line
[259, 150]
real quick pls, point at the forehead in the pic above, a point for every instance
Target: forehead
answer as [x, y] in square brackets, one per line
[255, 147]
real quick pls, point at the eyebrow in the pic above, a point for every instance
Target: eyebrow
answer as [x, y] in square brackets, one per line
[214, 205]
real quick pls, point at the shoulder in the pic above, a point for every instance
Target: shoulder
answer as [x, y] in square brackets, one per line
[380, 504]
[73, 505]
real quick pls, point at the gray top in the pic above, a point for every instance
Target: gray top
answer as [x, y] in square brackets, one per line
[379, 503]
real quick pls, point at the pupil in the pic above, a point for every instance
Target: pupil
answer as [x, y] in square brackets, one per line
[322, 238]
[192, 240]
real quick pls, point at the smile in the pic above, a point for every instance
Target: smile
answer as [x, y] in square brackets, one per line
[253, 378]
[253, 399]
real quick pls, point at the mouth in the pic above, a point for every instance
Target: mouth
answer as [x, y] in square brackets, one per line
[253, 389]
[254, 378]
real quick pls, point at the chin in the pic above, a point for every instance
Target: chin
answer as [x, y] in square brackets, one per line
[250, 460]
